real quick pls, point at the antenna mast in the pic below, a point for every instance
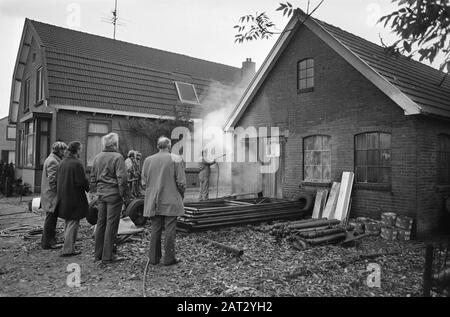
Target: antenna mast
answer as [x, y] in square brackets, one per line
[114, 19]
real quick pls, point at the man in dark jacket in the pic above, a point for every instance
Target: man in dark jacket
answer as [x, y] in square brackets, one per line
[71, 200]
[109, 183]
[48, 194]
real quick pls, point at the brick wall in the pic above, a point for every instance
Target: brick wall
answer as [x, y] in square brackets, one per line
[431, 212]
[343, 104]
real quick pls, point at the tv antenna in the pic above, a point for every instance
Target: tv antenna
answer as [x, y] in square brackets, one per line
[114, 19]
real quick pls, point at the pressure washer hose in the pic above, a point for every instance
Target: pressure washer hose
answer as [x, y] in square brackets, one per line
[145, 277]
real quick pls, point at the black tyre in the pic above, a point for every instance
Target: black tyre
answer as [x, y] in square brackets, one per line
[135, 211]
[307, 201]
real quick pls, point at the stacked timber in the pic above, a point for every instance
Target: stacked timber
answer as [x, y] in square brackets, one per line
[222, 212]
[311, 232]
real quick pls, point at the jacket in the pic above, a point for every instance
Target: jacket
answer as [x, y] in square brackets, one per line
[109, 176]
[164, 178]
[48, 182]
[71, 188]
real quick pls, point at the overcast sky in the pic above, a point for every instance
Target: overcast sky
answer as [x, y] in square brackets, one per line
[198, 28]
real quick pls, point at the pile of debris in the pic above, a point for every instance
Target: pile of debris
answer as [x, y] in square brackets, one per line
[227, 212]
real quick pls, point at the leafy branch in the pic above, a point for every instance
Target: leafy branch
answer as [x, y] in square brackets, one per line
[423, 28]
[260, 26]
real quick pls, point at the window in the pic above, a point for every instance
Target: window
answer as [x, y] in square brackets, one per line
[373, 158]
[44, 140]
[96, 130]
[305, 75]
[10, 132]
[26, 96]
[34, 143]
[8, 156]
[28, 144]
[39, 85]
[444, 159]
[317, 158]
[186, 92]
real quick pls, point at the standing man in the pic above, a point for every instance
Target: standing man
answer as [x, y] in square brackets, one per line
[109, 182]
[48, 194]
[71, 203]
[164, 178]
[205, 172]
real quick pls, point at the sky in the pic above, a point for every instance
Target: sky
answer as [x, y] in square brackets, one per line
[198, 28]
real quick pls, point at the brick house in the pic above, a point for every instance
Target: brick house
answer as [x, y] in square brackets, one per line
[7, 141]
[341, 105]
[68, 85]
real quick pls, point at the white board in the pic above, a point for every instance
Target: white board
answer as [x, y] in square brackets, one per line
[332, 201]
[344, 196]
[321, 198]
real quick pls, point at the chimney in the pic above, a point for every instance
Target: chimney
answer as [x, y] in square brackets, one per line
[248, 70]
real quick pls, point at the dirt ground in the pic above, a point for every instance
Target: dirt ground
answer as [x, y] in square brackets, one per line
[267, 268]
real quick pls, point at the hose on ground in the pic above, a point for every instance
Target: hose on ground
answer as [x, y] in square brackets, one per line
[145, 277]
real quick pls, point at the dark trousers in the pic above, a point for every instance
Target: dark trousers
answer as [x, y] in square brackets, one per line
[49, 232]
[107, 226]
[170, 224]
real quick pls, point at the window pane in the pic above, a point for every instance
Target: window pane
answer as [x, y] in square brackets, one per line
[326, 158]
[317, 142]
[326, 173]
[11, 133]
[308, 158]
[96, 127]
[373, 157]
[44, 126]
[186, 92]
[310, 62]
[361, 174]
[317, 173]
[361, 142]
[310, 82]
[302, 84]
[326, 143]
[94, 146]
[385, 159]
[385, 141]
[310, 72]
[302, 65]
[309, 143]
[43, 149]
[30, 144]
[303, 74]
[308, 173]
[373, 141]
[372, 174]
[12, 157]
[361, 158]
[316, 158]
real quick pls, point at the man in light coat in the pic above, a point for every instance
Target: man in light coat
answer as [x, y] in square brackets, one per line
[164, 178]
[48, 194]
[108, 180]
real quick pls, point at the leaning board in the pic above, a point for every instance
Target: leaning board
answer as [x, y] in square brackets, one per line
[332, 200]
[321, 198]
[344, 196]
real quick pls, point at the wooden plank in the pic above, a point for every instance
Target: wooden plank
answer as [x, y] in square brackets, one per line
[344, 196]
[332, 201]
[321, 198]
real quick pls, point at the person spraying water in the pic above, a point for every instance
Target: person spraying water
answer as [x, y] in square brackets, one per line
[205, 172]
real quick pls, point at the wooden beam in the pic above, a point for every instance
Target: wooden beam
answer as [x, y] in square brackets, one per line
[332, 201]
